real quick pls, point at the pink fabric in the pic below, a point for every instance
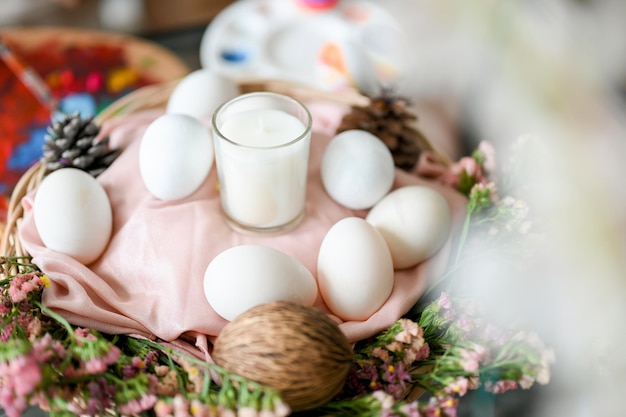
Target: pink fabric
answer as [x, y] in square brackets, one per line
[149, 281]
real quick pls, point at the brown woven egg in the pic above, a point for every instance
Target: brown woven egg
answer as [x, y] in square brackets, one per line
[297, 350]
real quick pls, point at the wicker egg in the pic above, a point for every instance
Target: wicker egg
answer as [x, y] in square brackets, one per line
[296, 350]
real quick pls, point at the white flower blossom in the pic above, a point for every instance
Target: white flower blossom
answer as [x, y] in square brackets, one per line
[386, 400]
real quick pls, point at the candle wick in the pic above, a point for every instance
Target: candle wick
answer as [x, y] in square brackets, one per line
[263, 127]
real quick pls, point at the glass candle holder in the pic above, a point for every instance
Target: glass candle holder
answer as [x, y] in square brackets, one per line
[262, 145]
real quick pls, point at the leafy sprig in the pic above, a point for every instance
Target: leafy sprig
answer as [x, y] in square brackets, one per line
[69, 370]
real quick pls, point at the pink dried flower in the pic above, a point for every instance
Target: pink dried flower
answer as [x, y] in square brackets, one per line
[101, 396]
[403, 337]
[138, 363]
[396, 378]
[464, 174]
[410, 327]
[444, 301]
[420, 348]
[410, 409]
[27, 374]
[100, 364]
[82, 333]
[19, 378]
[181, 406]
[94, 407]
[161, 370]
[449, 406]
[485, 190]
[13, 407]
[4, 309]
[465, 323]
[488, 156]
[46, 348]
[198, 409]
[467, 165]
[33, 329]
[138, 405]
[459, 386]
[76, 408]
[22, 285]
[500, 387]
[481, 351]
[128, 372]
[7, 331]
[469, 360]
[95, 366]
[168, 383]
[441, 406]
[382, 354]
[196, 377]
[163, 409]
[368, 372]
[395, 347]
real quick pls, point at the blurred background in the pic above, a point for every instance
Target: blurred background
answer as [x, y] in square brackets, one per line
[178, 25]
[550, 71]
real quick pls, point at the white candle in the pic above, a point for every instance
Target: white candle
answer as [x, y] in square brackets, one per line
[262, 157]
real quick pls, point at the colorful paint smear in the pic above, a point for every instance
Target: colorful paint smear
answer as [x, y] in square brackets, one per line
[86, 78]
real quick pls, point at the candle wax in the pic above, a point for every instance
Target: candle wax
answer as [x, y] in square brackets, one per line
[262, 128]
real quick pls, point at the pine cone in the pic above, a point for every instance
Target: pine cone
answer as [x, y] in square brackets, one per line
[71, 142]
[389, 118]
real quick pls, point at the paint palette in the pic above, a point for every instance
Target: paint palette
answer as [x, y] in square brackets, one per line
[331, 45]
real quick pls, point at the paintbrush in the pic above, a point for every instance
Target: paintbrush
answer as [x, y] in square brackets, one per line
[28, 76]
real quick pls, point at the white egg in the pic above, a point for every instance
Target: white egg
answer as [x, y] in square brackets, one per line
[415, 222]
[73, 215]
[175, 156]
[200, 93]
[245, 276]
[354, 269]
[357, 169]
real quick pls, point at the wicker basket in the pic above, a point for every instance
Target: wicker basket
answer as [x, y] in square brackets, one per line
[155, 97]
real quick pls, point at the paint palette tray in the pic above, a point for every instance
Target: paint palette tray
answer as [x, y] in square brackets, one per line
[349, 43]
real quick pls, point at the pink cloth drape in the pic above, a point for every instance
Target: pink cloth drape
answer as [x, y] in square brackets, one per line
[149, 281]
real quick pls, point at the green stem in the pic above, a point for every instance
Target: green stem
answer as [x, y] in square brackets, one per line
[61, 320]
[206, 386]
[226, 375]
[463, 237]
